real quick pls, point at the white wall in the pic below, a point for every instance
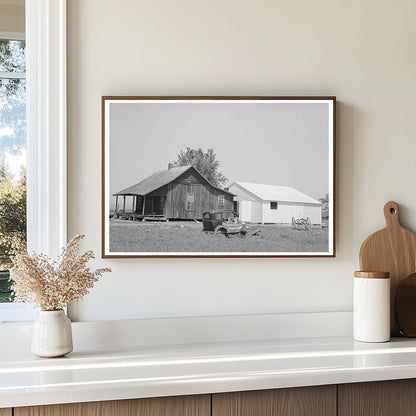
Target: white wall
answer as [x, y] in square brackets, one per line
[241, 194]
[269, 215]
[250, 207]
[257, 212]
[12, 17]
[246, 211]
[287, 210]
[361, 51]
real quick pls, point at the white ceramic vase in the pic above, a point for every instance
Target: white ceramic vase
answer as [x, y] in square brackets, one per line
[52, 334]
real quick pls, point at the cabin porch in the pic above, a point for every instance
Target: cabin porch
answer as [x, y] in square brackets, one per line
[140, 207]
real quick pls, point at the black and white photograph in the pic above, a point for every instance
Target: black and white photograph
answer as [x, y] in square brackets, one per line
[218, 176]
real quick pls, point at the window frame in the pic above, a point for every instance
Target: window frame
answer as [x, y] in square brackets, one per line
[274, 207]
[221, 205]
[12, 35]
[46, 121]
[46, 125]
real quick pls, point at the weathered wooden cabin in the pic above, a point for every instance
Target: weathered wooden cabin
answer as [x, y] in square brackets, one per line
[176, 193]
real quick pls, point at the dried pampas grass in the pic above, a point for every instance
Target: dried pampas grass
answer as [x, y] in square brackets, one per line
[53, 285]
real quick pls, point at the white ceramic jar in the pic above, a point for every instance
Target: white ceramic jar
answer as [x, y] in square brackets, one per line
[371, 307]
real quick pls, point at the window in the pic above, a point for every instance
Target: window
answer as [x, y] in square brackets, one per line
[220, 201]
[12, 156]
[190, 202]
[46, 135]
[273, 205]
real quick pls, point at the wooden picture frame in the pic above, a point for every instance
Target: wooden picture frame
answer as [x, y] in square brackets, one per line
[226, 176]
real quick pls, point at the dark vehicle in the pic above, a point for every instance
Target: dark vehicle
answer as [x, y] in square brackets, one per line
[224, 222]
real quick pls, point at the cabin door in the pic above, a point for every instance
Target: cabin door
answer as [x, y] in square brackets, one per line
[190, 205]
[158, 202]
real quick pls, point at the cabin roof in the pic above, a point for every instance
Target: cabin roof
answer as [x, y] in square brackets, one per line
[158, 179]
[276, 193]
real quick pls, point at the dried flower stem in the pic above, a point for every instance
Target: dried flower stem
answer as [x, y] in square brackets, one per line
[53, 285]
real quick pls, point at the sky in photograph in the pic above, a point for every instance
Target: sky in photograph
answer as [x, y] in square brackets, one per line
[269, 143]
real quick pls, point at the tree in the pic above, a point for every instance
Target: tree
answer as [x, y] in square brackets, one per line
[12, 97]
[325, 206]
[12, 214]
[205, 163]
[12, 142]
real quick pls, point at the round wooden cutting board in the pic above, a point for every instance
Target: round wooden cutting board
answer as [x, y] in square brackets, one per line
[393, 250]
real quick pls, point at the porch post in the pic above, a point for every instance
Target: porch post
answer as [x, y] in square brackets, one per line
[116, 204]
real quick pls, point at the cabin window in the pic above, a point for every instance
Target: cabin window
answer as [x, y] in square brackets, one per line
[273, 205]
[190, 202]
[220, 201]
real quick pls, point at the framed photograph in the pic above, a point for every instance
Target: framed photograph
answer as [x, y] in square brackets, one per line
[218, 176]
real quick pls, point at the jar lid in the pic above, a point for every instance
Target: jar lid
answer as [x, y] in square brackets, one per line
[372, 275]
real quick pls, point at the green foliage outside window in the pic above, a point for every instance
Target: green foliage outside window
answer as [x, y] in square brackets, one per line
[12, 148]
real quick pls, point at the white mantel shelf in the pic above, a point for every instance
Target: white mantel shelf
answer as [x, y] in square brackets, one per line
[148, 371]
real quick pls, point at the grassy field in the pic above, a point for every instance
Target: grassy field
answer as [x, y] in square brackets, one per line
[129, 236]
[5, 293]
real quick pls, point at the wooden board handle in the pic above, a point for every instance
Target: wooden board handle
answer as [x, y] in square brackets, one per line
[391, 214]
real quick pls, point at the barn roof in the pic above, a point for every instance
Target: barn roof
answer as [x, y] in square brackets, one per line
[158, 179]
[277, 193]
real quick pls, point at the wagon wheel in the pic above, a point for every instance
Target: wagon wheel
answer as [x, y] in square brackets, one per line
[219, 229]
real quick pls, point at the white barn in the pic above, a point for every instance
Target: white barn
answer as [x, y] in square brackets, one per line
[270, 204]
